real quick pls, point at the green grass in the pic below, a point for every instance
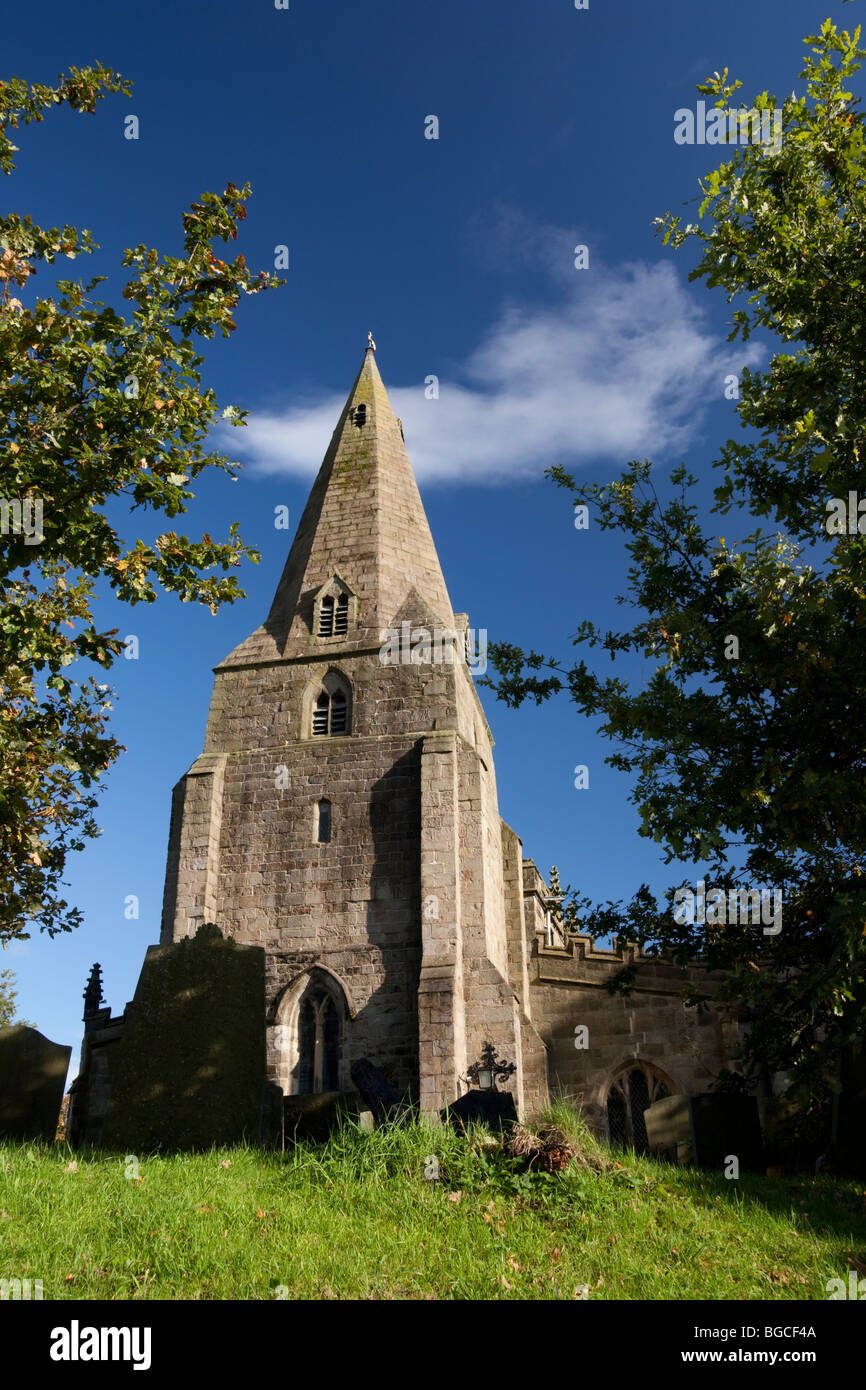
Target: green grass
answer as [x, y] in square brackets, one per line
[356, 1218]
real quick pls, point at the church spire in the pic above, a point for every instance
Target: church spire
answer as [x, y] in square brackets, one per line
[364, 526]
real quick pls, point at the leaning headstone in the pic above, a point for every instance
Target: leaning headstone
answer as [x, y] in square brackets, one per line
[32, 1080]
[378, 1094]
[669, 1129]
[190, 1068]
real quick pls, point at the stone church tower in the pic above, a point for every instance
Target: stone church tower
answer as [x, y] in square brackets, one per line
[343, 817]
[343, 814]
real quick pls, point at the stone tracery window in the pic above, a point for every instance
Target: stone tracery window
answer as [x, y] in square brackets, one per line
[318, 1043]
[635, 1087]
[309, 1034]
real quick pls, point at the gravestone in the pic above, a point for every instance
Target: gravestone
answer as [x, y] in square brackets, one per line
[377, 1092]
[706, 1129]
[495, 1109]
[32, 1080]
[189, 1071]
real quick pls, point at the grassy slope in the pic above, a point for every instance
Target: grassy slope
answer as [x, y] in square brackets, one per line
[356, 1218]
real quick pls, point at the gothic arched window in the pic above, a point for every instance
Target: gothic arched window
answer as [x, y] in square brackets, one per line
[319, 1030]
[636, 1087]
[329, 706]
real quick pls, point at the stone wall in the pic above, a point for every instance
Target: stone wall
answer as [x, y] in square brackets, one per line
[651, 1025]
[90, 1092]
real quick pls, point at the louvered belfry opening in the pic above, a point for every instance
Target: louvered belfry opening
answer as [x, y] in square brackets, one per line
[341, 619]
[338, 712]
[326, 617]
[331, 713]
[321, 714]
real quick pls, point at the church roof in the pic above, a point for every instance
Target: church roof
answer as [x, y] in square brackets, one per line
[364, 523]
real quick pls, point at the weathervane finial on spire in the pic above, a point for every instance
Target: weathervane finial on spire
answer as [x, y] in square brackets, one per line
[370, 342]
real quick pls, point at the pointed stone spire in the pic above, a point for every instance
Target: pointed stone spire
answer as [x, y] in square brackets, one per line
[364, 524]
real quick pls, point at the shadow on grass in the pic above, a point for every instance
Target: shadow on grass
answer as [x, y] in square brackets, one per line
[825, 1204]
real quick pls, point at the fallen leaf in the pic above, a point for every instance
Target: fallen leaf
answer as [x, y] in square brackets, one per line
[454, 1196]
[510, 1260]
[71, 1167]
[203, 1207]
[226, 1163]
[69, 1278]
[505, 1283]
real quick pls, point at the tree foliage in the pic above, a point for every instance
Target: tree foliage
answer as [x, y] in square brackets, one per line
[748, 754]
[95, 406]
[8, 995]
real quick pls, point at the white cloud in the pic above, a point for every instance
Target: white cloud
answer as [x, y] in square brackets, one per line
[624, 366]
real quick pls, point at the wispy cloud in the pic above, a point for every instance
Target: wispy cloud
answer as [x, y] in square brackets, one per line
[623, 366]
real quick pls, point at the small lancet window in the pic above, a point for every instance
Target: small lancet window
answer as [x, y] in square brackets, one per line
[360, 415]
[323, 822]
[326, 616]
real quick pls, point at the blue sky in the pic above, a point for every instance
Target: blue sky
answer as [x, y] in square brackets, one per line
[555, 129]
